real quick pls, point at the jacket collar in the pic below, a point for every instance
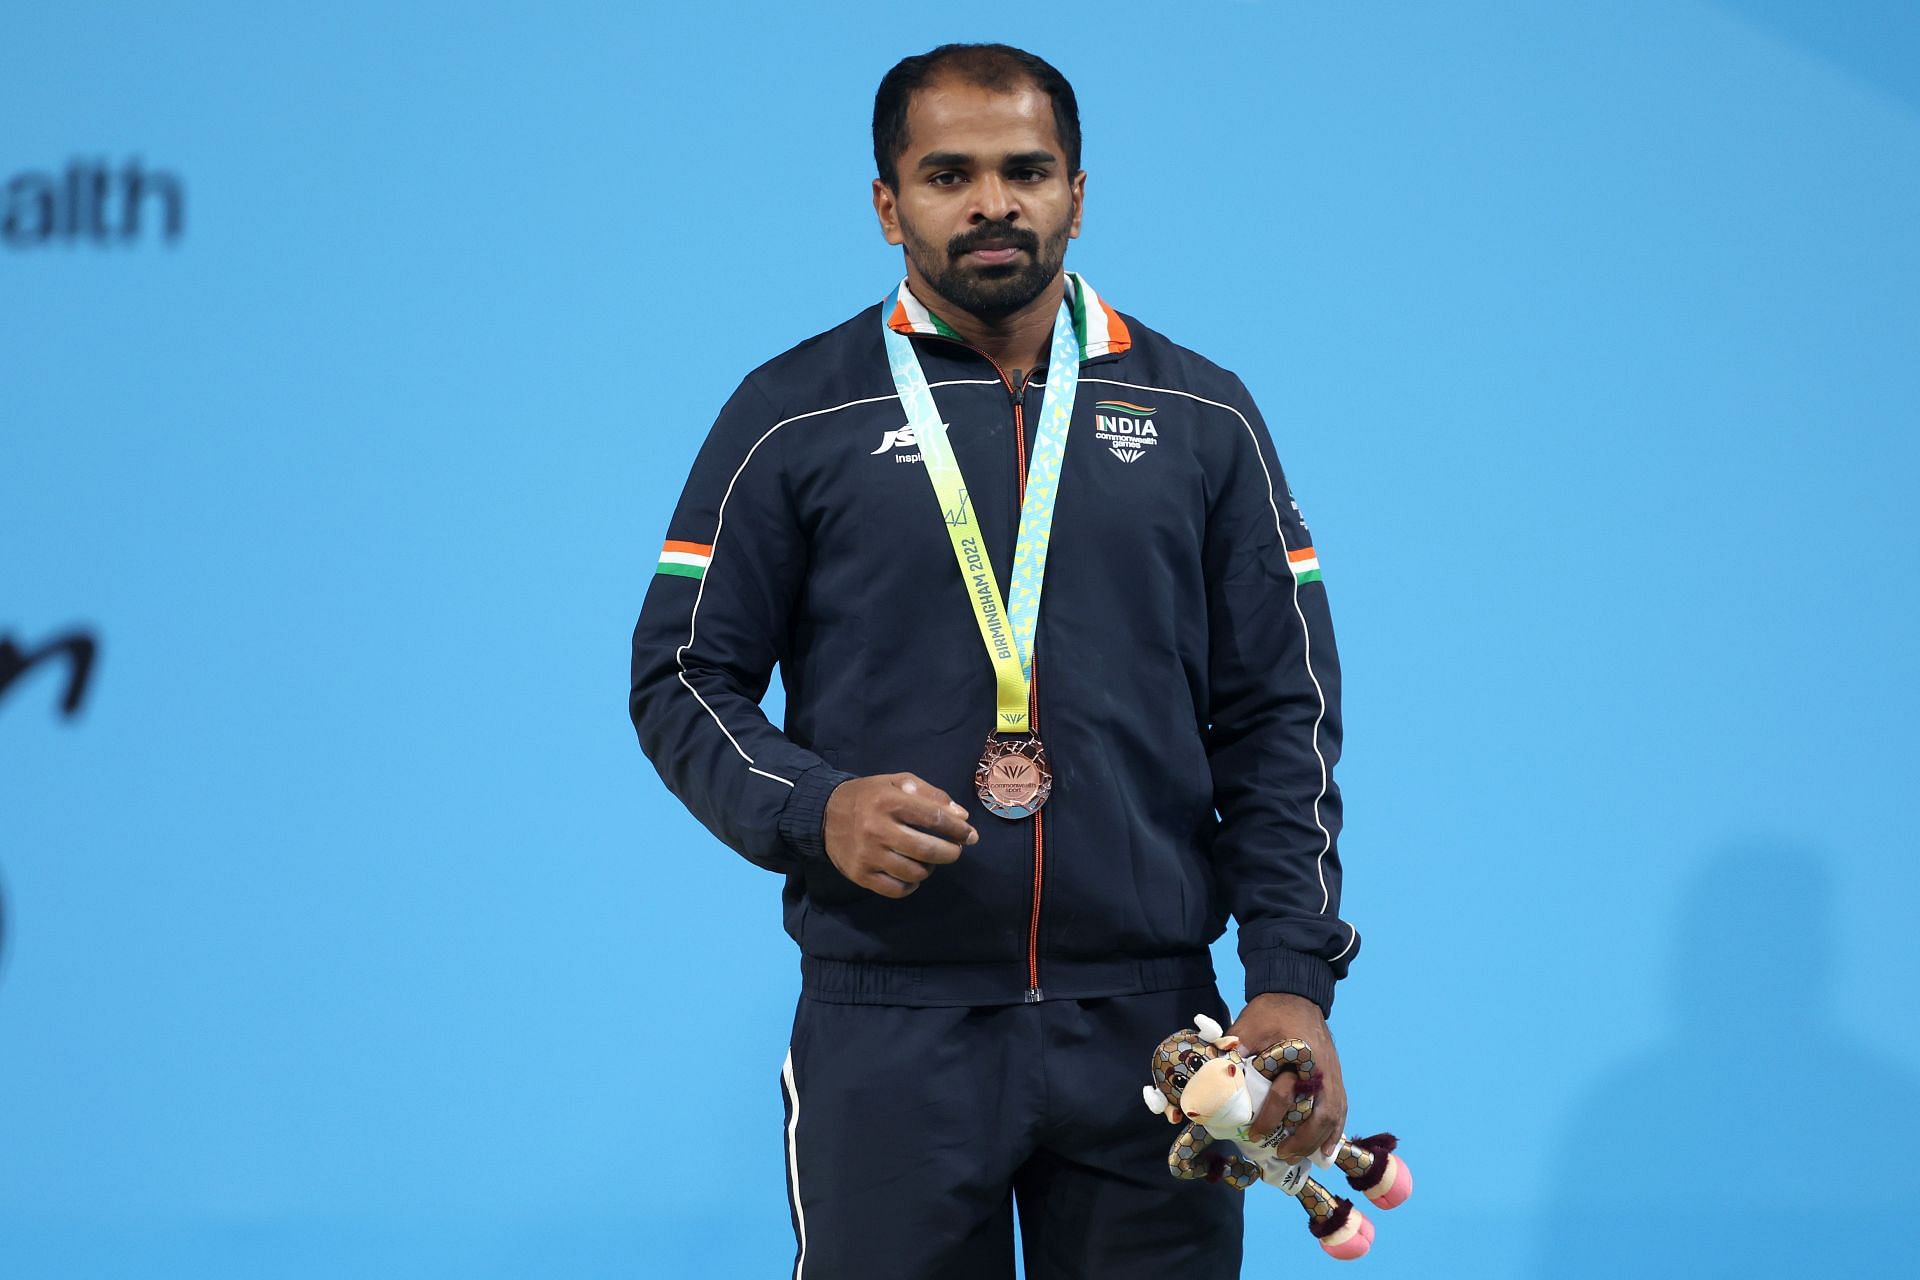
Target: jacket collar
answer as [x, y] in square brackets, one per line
[1099, 327]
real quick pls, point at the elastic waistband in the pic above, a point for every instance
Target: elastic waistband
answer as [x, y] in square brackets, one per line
[858, 982]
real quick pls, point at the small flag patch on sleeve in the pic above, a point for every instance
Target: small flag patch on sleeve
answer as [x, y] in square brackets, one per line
[1305, 565]
[685, 559]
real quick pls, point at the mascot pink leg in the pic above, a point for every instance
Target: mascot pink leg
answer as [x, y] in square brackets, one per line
[1204, 1079]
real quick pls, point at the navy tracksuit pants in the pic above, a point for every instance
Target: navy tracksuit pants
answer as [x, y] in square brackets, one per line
[913, 1133]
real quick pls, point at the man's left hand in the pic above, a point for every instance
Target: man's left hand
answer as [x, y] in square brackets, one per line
[1274, 1017]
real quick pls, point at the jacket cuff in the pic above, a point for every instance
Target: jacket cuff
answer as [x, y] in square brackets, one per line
[803, 818]
[1278, 969]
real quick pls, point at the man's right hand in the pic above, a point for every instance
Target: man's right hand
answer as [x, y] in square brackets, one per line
[888, 832]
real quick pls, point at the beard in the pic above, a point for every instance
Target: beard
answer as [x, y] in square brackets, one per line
[989, 292]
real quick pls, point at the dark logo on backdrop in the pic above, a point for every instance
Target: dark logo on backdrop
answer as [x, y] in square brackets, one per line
[92, 202]
[74, 650]
[74, 653]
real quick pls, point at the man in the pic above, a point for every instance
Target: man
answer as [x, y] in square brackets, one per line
[1003, 885]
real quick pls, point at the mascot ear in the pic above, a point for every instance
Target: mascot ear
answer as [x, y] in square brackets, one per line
[1156, 1101]
[1209, 1029]
[1175, 1115]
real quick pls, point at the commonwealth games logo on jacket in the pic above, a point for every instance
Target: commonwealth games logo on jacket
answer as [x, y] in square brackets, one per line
[1125, 428]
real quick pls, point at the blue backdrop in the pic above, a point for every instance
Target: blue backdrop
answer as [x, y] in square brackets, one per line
[348, 932]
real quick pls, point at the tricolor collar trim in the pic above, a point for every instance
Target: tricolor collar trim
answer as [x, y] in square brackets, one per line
[1099, 327]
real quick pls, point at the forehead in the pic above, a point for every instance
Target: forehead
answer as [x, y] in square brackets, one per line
[951, 115]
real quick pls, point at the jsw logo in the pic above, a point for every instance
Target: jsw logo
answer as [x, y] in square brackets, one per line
[903, 438]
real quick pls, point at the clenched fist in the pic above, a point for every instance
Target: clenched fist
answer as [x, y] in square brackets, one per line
[1275, 1017]
[888, 832]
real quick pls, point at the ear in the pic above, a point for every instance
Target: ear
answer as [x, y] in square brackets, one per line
[885, 208]
[1079, 187]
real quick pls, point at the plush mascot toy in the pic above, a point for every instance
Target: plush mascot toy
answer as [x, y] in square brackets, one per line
[1208, 1080]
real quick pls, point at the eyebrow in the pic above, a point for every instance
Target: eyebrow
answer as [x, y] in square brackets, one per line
[960, 159]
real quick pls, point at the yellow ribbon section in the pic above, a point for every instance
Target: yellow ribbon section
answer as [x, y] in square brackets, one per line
[1004, 633]
[1009, 678]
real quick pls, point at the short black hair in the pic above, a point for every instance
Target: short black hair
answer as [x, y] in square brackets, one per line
[991, 66]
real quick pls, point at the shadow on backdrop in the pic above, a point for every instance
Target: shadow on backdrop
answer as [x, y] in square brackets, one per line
[1876, 40]
[1758, 1138]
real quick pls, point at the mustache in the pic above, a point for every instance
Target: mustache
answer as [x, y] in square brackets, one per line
[996, 234]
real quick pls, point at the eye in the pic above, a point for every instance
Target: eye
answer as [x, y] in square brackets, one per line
[1179, 1081]
[945, 178]
[1195, 1061]
[1030, 175]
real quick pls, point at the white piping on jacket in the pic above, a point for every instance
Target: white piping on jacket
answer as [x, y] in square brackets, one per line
[1306, 635]
[720, 522]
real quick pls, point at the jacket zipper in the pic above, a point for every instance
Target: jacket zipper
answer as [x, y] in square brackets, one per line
[1034, 995]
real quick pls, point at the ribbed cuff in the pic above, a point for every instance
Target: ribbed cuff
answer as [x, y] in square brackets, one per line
[803, 818]
[1278, 969]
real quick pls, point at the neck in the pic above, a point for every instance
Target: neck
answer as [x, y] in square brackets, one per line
[1018, 340]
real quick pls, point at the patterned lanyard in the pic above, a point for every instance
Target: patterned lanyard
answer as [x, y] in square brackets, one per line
[1007, 630]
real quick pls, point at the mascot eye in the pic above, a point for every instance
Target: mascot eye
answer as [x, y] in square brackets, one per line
[1195, 1062]
[1179, 1081]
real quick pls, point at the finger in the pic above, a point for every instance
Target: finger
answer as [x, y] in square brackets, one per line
[1312, 1135]
[1329, 1107]
[951, 824]
[1273, 1112]
[902, 868]
[946, 820]
[933, 810]
[922, 847]
[937, 822]
[888, 829]
[887, 886]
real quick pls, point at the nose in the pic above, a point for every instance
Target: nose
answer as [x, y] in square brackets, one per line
[995, 200]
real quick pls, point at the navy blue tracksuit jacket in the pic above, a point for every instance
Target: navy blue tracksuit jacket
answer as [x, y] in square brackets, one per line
[1185, 679]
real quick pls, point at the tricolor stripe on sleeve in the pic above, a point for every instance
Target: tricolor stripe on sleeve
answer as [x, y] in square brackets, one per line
[685, 559]
[1305, 565]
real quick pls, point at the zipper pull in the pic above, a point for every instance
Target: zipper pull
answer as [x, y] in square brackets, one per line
[1016, 386]
[1035, 995]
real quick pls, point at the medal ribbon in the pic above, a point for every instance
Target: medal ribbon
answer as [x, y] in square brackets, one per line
[1007, 629]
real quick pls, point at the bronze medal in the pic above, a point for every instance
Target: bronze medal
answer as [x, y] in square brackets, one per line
[1013, 776]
